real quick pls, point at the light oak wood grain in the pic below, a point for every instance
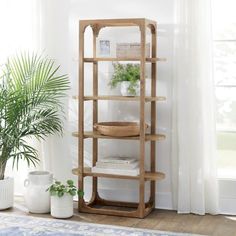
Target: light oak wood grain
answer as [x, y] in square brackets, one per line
[147, 175]
[97, 59]
[95, 134]
[121, 98]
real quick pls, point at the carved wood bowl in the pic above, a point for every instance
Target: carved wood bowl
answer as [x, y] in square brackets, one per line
[119, 128]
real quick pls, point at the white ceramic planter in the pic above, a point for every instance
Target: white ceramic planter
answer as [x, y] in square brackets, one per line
[37, 199]
[62, 207]
[124, 89]
[125, 85]
[6, 193]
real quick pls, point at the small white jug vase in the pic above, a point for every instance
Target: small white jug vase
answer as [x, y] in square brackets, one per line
[37, 199]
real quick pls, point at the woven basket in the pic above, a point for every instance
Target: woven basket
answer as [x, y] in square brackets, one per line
[118, 129]
[131, 50]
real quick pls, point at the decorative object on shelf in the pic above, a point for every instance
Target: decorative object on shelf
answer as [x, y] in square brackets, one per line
[129, 89]
[117, 165]
[37, 199]
[62, 198]
[128, 76]
[131, 50]
[118, 162]
[133, 172]
[30, 98]
[95, 204]
[119, 128]
[104, 48]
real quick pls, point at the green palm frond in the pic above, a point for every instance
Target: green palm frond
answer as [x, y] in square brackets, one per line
[31, 96]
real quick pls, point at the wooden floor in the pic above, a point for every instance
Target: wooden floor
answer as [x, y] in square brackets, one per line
[159, 219]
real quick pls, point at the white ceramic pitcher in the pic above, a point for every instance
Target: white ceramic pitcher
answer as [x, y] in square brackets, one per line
[37, 199]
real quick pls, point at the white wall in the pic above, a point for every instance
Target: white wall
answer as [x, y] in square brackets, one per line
[61, 35]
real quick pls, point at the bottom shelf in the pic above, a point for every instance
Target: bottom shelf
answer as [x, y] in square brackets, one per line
[117, 208]
[154, 176]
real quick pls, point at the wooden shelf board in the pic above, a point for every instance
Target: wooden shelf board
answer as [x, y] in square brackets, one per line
[121, 98]
[95, 134]
[148, 175]
[118, 22]
[97, 59]
[110, 211]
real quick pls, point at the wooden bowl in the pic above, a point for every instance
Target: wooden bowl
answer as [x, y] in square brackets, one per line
[118, 129]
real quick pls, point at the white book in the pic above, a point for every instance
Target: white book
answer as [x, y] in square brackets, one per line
[117, 159]
[125, 166]
[133, 172]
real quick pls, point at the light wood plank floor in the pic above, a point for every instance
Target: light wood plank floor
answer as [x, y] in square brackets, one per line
[159, 219]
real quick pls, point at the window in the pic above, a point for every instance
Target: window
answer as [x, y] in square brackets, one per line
[224, 43]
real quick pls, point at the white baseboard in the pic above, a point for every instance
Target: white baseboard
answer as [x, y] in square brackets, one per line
[227, 198]
[163, 199]
[227, 206]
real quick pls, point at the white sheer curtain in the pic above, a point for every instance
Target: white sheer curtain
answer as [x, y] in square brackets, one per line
[20, 28]
[194, 140]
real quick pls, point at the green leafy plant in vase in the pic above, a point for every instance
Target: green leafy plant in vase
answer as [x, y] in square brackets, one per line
[128, 77]
[62, 198]
[31, 93]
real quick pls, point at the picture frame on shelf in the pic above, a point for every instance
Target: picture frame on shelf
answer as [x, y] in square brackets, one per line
[105, 48]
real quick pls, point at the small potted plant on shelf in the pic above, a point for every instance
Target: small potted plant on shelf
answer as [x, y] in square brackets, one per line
[128, 77]
[62, 198]
[30, 106]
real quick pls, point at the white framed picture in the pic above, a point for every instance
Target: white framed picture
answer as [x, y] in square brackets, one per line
[105, 47]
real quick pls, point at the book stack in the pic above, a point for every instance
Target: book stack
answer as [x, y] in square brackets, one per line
[117, 165]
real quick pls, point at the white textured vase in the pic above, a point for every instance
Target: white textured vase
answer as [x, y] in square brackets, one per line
[124, 89]
[6, 193]
[125, 85]
[37, 199]
[62, 207]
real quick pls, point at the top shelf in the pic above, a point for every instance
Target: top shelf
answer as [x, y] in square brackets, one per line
[97, 59]
[118, 22]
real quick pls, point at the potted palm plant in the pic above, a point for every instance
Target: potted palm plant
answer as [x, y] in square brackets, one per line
[30, 106]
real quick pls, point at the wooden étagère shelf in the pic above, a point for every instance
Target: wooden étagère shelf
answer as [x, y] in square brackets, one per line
[96, 204]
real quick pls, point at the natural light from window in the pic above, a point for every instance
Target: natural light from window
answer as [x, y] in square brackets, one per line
[224, 35]
[18, 27]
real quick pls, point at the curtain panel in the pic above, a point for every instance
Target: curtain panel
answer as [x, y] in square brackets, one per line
[194, 177]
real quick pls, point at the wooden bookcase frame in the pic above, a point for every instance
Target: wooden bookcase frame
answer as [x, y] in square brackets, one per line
[142, 208]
